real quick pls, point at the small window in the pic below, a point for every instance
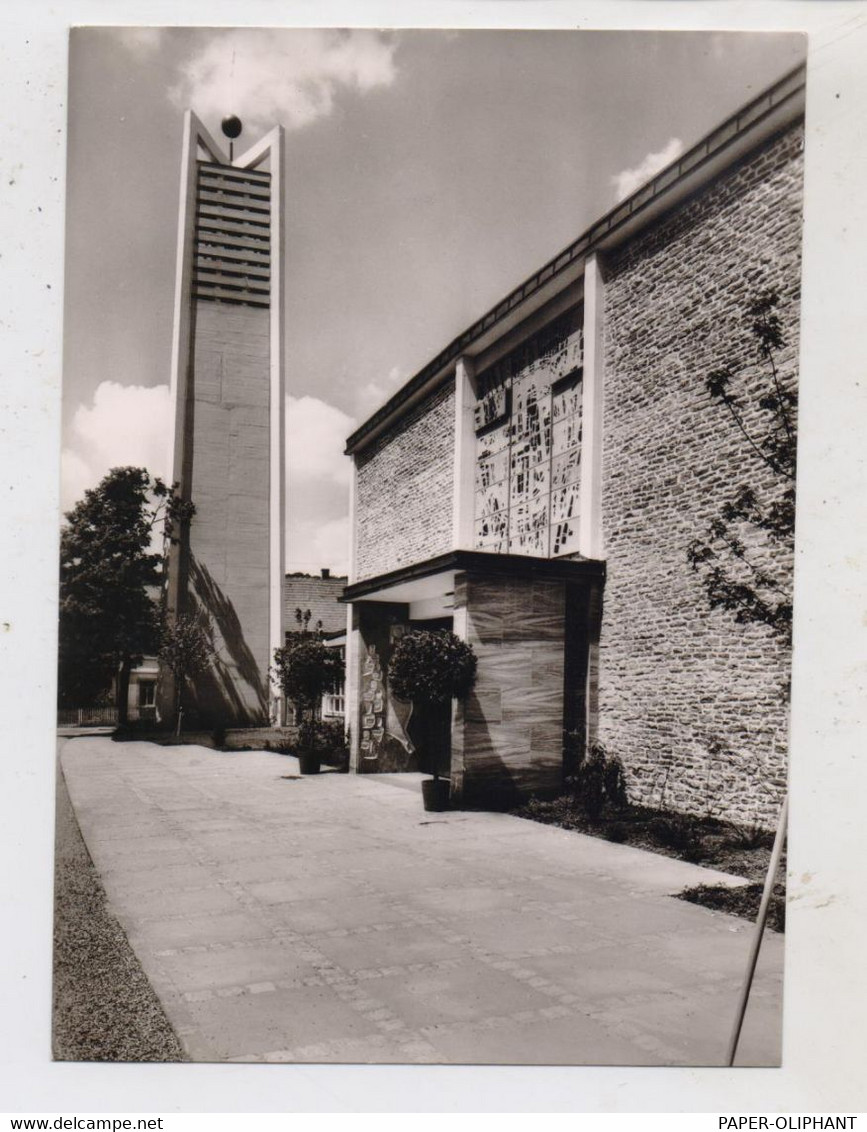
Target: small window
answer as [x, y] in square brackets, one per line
[147, 693]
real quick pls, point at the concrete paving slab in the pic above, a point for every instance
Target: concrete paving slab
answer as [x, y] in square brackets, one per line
[164, 903]
[462, 991]
[313, 917]
[259, 1023]
[602, 976]
[253, 870]
[187, 931]
[151, 860]
[332, 919]
[253, 964]
[395, 946]
[122, 884]
[307, 886]
[506, 1043]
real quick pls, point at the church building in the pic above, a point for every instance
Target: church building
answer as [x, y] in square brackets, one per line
[537, 486]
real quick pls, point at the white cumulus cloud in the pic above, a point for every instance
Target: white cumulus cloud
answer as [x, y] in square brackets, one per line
[141, 41]
[290, 77]
[317, 484]
[125, 425]
[316, 433]
[628, 180]
[128, 425]
[373, 395]
[314, 545]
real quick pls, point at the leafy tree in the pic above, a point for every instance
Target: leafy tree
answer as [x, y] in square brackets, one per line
[306, 669]
[304, 632]
[431, 667]
[186, 650]
[109, 575]
[742, 559]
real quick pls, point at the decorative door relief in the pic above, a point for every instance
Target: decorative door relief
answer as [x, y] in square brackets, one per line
[384, 744]
[372, 703]
[397, 713]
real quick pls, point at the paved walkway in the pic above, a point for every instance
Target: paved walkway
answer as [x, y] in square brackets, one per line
[330, 919]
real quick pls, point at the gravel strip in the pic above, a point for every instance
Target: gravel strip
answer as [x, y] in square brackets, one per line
[104, 1007]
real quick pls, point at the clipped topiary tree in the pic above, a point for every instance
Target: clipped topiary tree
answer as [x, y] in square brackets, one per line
[306, 669]
[431, 667]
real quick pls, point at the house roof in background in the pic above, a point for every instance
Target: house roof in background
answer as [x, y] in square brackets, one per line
[319, 595]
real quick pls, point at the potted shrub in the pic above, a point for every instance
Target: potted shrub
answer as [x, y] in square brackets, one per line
[307, 749]
[307, 669]
[432, 667]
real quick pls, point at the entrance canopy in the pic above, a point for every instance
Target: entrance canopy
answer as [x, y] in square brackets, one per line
[428, 587]
[528, 621]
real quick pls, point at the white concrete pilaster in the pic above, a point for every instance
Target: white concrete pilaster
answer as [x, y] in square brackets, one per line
[277, 511]
[353, 539]
[351, 717]
[590, 535]
[465, 455]
[180, 363]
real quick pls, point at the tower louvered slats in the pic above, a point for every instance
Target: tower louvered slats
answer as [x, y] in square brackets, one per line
[232, 262]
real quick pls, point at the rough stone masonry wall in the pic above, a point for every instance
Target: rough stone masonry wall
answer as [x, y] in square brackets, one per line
[693, 703]
[404, 489]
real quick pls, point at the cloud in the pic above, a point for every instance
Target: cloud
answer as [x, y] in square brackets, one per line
[141, 41]
[290, 77]
[311, 545]
[124, 425]
[628, 180]
[374, 394]
[128, 425]
[317, 484]
[315, 436]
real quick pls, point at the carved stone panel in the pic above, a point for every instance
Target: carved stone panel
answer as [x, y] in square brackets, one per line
[528, 462]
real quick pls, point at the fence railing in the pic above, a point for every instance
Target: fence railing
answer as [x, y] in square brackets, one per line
[87, 717]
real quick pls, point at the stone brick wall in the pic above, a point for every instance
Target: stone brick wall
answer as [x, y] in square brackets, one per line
[693, 703]
[320, 596]
[404, 489]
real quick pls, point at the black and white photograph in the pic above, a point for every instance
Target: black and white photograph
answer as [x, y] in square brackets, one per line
[430, 406]
[429, 583]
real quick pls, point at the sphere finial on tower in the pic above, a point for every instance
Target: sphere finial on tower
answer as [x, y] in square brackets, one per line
[231, 127]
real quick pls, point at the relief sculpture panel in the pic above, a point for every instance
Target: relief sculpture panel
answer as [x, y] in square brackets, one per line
[528, 447]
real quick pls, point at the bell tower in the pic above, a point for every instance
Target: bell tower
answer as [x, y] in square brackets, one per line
[227, 435]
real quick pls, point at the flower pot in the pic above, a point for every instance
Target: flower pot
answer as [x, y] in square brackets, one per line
[435, 793]
[309, 763]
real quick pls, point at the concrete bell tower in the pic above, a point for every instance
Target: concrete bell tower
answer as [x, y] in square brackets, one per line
[227, 436]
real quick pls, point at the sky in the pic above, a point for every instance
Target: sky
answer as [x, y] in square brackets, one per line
[428, 173]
